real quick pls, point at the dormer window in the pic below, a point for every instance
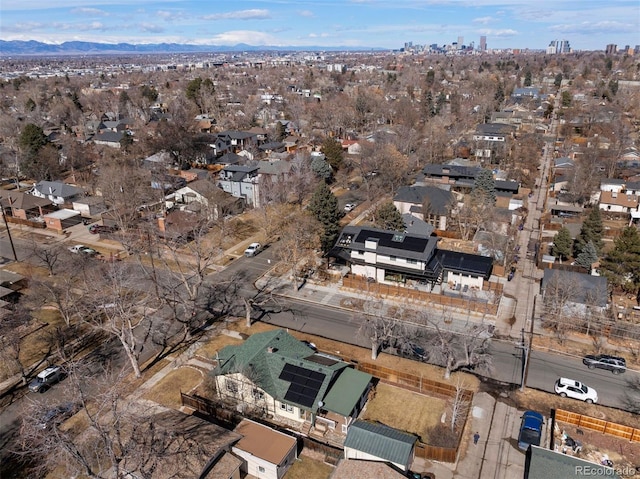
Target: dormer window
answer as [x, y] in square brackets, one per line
[398, 237]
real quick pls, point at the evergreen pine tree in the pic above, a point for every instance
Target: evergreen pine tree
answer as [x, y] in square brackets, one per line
[281, 131]
[591, 230]
[324, 207]
[484, 187]
[621, 265]
[527, 78]
[333, 152]
[387, 217]
[587, 256]
[562, 244]
[321, 168]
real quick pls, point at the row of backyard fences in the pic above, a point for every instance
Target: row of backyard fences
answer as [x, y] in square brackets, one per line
[631, 434]
[468, 303]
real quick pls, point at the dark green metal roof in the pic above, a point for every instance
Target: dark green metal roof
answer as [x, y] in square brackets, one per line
[345, 393]
[263, 356]
[381, 441]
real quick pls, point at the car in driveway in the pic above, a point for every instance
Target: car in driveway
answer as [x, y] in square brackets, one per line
[530, 430]
[349, 207]
[571, 388]
[615, 364]
[47, 378]
[253, 249]
[82, 249]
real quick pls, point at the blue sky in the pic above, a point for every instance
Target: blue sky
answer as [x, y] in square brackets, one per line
[587, 24]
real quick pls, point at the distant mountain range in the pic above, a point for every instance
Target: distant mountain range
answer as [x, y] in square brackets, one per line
[32, 47]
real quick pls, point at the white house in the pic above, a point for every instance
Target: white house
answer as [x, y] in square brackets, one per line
[56, 191]
[274, 373]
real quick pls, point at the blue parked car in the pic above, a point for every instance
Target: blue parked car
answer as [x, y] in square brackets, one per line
[530, 430]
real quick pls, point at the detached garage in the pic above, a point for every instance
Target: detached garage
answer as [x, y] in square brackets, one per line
[377, 442]
[266, 453]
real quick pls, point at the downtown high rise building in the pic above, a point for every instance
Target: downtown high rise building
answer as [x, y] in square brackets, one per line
[558, 47]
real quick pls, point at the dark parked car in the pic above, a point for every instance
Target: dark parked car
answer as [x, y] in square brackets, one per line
[101, 229]
[530, 430]
[614, 364]
[45, 379]
[57, 415]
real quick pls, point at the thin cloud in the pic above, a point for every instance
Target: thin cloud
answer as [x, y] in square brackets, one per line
[483, 20]
[252, 14]
[591, 28]
[80, 27]
[240, 36]
[306, 13]
[505, 32]
[90, 12]
[151, 28]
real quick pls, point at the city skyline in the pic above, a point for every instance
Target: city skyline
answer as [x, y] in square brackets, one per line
[587, 25]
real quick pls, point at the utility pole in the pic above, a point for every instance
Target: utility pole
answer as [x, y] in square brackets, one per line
[525, 346]
[6, 223]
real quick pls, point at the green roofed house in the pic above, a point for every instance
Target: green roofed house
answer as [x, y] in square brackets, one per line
[274, 374]
[377, 442]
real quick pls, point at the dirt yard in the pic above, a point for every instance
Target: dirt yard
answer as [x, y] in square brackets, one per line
[625, 455]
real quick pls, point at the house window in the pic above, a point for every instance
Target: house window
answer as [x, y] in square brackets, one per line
[286, 407]
[261, 469]
[361, 253]
[232, 386]
[393, 258]
[412, 261]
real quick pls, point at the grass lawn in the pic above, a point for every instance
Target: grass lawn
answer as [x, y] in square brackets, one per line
[167, 391]
[405, 410]
[308, 468]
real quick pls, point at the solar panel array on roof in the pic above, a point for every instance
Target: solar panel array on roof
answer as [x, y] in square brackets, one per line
[305, 384]
[409, 243]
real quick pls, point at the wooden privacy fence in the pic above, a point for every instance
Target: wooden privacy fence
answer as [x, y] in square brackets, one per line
[599, 425]
[435, 453]
[410, 381]
[467, 303]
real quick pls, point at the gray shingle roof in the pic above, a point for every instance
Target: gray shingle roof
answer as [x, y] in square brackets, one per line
[380, 441]
[57, 188]
[439, 199]
[583, 288]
